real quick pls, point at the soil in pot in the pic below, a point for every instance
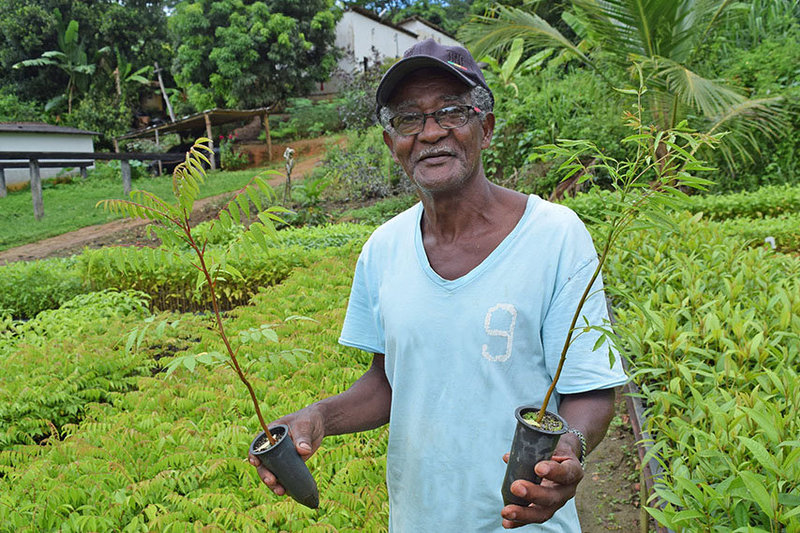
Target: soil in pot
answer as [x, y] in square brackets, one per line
[531, 445]
[283, 460]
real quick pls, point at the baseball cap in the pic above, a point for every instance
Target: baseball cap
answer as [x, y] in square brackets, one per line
[428, 53]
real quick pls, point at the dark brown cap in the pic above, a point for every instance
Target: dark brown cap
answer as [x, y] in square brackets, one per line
[430, 54]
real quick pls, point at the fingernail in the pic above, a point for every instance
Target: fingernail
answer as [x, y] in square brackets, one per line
[512, 516]
[542, 470]
[252, 461]
[519, 490]
[305, 446]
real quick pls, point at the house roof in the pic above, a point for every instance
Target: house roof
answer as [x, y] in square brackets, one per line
[198, 121]
[41, 127]
[371, 15]
[427, 23]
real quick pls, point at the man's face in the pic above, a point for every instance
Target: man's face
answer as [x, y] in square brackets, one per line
[438, 159]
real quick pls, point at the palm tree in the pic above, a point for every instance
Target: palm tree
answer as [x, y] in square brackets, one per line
[664, 39]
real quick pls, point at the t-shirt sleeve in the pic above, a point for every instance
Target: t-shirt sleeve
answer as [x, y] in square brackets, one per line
[362, 327]
[586, 368]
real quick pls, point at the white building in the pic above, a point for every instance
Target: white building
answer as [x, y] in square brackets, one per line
[363, 36]
[40, 137]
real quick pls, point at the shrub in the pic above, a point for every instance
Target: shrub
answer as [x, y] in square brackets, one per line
[307, 119]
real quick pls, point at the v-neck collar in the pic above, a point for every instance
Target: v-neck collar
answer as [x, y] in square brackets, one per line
[453, 284]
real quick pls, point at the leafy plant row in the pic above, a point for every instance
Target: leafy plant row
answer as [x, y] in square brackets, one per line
[27, 288]
[713, 336]
[769, 201]
[165, 456]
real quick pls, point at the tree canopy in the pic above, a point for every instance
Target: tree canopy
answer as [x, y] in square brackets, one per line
[237, 54]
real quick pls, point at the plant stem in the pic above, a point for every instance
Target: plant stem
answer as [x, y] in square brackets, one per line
[568, 341]
[221, 330]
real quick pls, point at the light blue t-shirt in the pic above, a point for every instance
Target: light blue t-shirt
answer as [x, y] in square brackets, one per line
[463, 354]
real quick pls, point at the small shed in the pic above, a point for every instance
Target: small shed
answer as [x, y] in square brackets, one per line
[40, 137]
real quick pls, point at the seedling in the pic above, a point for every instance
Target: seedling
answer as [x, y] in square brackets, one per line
[644, 188]
[171, 225]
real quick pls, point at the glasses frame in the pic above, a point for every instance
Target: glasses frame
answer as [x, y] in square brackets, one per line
[437, 116]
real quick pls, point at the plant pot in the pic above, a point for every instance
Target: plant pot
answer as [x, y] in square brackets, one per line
[283, 460]
[530, 445]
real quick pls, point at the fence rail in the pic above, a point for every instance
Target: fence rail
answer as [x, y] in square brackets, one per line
[37, 160]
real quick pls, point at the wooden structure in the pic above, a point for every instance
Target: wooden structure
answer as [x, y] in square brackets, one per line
[76, 159]
[200, 124]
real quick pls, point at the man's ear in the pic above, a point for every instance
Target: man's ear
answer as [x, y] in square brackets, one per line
[488, 130]
[387, 139]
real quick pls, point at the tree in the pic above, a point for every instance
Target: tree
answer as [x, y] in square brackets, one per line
[28, 28]
[236, 54]
[72, 59]
[663, 37]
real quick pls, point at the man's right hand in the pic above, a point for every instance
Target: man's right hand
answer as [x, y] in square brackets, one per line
[306, 428]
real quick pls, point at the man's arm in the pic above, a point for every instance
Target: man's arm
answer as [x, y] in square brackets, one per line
[588, 412]
[365, 405]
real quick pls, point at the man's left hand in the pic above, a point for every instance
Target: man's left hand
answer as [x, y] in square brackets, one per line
[560, 478]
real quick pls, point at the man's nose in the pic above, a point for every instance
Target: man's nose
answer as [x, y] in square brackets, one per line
[431, 131]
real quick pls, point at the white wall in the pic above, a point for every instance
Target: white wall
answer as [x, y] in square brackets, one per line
[41, 142]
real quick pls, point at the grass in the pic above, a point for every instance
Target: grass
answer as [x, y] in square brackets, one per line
[71, 206]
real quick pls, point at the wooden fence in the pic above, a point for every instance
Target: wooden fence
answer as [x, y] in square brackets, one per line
[82, 160]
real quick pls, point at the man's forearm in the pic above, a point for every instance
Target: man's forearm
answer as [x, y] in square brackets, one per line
[365, 405]
[590, 413]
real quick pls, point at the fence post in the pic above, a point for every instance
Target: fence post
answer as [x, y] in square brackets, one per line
[3, 190]
[83, 173]
[36, 190]
[125, 166]
[211, 157]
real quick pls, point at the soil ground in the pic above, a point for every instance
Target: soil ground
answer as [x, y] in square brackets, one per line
[608, 496]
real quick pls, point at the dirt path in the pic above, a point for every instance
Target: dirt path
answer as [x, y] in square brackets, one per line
[129, 232]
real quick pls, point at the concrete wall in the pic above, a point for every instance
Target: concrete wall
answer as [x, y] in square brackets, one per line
[41, 142]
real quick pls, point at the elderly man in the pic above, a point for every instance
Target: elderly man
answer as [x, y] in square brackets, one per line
[465, 301]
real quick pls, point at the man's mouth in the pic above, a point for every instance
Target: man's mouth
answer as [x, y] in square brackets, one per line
[435, 156]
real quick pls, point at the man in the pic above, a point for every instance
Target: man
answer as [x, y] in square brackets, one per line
[465, 301]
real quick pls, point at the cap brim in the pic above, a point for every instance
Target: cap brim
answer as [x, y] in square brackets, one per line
[406, 66]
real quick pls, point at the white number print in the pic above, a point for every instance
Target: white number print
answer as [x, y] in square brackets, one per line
[494, 332]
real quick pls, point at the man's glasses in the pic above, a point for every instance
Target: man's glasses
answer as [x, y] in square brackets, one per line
[448, 118]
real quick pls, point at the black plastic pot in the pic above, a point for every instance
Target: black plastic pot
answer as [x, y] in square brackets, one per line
[283, 460]
[530, 445]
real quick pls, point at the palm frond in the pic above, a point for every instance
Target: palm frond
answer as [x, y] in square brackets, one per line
[486, 35]
[709, 97]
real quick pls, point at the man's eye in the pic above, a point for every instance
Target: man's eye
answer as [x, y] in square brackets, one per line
[405, 120]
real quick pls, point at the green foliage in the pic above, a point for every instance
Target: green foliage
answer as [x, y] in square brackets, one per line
[103, 114]
[30, 28]
[764, 202]
[230, 158]
[308, 119]
[12, 109]
[784, 230]
[40, 394]
[234, 54]
[711, 330]
[381, 211]
[170, 452]
[551, 106]
[26, 288]
[364, 169]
